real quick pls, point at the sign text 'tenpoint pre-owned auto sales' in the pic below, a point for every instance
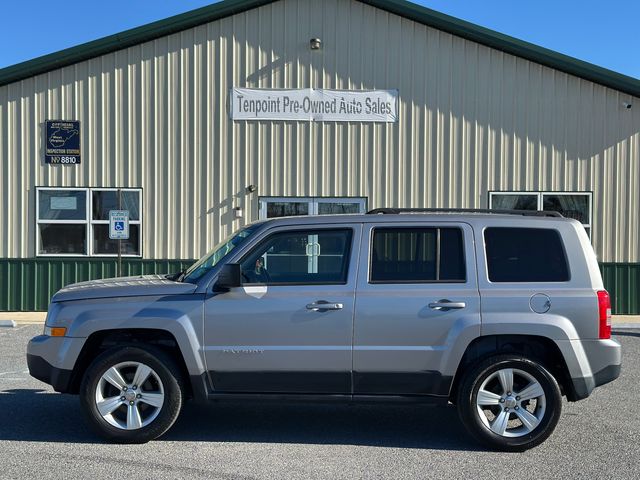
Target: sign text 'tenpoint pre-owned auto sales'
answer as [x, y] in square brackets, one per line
[314, 105]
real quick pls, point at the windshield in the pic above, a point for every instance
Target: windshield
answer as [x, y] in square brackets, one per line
[206, 263]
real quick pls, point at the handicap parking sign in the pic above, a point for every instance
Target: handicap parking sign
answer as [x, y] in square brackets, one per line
[118, 224]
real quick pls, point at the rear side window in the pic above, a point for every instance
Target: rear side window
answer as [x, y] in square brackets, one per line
[525, 255]
[417, 255]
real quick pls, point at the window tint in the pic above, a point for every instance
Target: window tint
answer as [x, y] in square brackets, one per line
[414, 255]
[525, 255]
[299, 257]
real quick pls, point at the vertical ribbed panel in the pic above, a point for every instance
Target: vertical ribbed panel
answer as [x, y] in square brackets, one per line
[471, 119]
[28, 284]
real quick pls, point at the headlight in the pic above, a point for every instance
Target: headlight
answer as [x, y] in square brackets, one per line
[53, 327]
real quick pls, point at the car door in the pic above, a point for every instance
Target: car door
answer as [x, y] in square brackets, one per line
[289, 328]
[417, 303]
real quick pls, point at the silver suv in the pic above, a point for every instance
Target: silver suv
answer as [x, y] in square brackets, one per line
[499, 313]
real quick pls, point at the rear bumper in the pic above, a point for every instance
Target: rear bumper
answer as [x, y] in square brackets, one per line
[58, 378]
[604, 359]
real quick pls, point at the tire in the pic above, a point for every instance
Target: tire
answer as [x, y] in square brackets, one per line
[505, 420]
[140, 414]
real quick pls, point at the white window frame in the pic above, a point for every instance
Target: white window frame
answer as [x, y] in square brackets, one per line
[541, 194]
[88, 221]
[312, 202]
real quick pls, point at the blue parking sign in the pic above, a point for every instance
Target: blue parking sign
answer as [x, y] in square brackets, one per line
[118, 224]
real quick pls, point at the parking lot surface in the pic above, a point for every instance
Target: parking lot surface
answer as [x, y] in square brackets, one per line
[42, 435]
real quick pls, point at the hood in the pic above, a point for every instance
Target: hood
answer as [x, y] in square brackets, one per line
[123, 287]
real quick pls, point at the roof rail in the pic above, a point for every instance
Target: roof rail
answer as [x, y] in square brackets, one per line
[526, 213]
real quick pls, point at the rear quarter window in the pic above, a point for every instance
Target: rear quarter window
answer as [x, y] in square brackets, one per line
[525, 255]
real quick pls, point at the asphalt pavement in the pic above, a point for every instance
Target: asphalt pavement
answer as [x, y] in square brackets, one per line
[42, 435]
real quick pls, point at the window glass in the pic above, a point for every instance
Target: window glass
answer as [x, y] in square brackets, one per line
[414, 255]
[514, 202]
[570, 206]
[102, 244]
[326, 208]
[217, 253]
[525, 255]
[287, 209]
[452, 266]
[62, 204]
[62, 238]
[300, 257]
[105, 200]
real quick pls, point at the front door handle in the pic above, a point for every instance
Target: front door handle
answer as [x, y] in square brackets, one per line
[445, 305]
[323, 306]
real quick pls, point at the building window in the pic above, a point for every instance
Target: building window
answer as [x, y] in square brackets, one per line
[75, 221]
[576, 205]
[271, 207]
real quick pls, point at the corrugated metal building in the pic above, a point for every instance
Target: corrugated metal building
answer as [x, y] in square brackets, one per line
[483, 120]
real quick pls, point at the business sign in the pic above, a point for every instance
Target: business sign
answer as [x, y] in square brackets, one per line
[62, 142]
[314, 105]
[118, 224]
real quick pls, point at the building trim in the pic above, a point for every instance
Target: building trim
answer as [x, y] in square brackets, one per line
[403, 8]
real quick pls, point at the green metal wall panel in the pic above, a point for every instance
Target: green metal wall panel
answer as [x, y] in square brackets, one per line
[622, 281]
[28, 284]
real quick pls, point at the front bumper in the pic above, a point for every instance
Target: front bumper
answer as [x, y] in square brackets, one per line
[51, 360]
[58, 378]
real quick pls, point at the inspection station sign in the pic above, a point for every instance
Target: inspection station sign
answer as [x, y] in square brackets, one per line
[62, 142]
[119, 224]
[316, 105]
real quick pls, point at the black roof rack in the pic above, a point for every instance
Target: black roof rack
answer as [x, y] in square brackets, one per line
[526, 213]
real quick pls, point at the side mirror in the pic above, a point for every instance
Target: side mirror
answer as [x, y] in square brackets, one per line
[230, 276]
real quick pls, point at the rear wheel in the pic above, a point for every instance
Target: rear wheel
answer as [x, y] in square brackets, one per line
[132, 394]
[509, 403]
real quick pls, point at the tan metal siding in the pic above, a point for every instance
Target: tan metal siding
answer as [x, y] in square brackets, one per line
[471, 119]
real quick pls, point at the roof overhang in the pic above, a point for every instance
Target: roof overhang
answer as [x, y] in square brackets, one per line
[417, 13]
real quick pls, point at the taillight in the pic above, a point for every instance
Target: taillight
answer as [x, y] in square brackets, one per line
[604, 310]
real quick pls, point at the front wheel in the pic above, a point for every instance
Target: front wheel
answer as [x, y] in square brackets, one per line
[132, 394]
[509, 402]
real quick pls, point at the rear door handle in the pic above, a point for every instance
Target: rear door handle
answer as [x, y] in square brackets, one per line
[445, 305]
[323, 306]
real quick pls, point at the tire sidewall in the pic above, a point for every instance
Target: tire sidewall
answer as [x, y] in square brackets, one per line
[470, 416]
[166, 370]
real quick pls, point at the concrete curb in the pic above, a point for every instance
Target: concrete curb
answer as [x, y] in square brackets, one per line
[8, 323]
[625, 326]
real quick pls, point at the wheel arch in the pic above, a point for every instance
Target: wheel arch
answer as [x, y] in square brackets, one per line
[103, 340]
[538, 348]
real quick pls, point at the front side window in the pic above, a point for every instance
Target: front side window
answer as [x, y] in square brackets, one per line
[299, 257]
[525, 255]
[417, 255]
[75, 221]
